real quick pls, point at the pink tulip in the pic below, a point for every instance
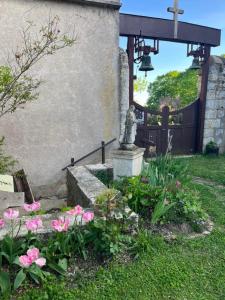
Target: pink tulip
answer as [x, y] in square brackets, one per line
[33, 254]
[25, 261]
[77, 210]
[34, 224]
[88, 216]
[35, 206]
[11, 214]
[40, 262]
[2, 223]
[60, 224]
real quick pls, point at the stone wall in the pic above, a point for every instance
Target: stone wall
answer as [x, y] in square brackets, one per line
[214, 129]
[78, 106]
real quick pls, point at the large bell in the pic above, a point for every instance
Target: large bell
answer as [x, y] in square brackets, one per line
[195, 64]
[146, 64]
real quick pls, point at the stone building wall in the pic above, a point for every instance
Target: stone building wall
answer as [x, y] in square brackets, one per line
[214, 129]
[78, 106]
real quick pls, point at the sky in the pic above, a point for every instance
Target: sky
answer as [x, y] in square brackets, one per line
[172, 56]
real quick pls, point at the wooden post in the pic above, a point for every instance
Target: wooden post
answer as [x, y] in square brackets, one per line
[130, 52]
[202, 102]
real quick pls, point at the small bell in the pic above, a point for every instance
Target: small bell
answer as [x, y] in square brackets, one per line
[146, 64]
[195, 64]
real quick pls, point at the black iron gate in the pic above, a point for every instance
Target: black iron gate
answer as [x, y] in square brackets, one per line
[176, 130]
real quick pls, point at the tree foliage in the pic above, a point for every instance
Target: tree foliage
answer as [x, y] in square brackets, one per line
[17, 86]
[174, 85]
[140, 85]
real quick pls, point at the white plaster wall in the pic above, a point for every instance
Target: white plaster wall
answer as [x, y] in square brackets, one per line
[78, 106]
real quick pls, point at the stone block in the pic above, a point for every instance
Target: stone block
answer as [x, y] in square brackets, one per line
[8, 199]
[212, 123]
[208, 133]
[210, 114]
[62, 192]
[211, 104]
[220, 104]
[219, 132]
[211, 94]
[211, 86]
[220, 113]
[52, 203]
[219, 142]
[83, 187]
[127, 163]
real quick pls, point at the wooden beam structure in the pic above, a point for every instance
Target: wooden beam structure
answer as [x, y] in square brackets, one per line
[132, 26]
[163, 29]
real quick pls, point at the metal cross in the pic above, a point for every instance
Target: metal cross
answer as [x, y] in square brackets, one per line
[176, 11]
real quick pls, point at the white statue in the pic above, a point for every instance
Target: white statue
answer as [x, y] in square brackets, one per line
[130, 130]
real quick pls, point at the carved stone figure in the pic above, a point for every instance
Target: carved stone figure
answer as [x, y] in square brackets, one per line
[130, 130]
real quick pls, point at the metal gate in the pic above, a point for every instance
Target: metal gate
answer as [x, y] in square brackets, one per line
[176, 130]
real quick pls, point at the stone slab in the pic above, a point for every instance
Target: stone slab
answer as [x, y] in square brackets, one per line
[46, 220]
[83, 187]
[52, 203]
[8, 199]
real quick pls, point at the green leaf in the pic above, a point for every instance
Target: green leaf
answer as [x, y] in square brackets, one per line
[34, 277]
[20, 277]
[5, 282]
[34, 269]
[63, 264]
[16, 261]
[57, 268]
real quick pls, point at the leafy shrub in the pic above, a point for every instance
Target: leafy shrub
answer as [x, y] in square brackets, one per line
[109, 201]
[187, 208]
[160, 210]
[105, 238]
[142, 197]
[164, 170]
[107, 234]
[161, 195]
[6, 162]
[211, 148]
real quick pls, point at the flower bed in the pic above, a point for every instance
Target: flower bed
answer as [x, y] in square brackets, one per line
[27, 255]
[162, 195]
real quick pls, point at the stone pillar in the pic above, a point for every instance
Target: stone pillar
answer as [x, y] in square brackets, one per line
[214, 129]
[124, 90]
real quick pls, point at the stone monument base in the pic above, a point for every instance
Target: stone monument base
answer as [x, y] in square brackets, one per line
[127, 163]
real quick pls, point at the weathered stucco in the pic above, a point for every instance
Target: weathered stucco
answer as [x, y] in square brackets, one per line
[78, 106]
[214, 129]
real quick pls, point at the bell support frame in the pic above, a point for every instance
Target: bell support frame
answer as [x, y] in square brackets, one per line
[162, 29]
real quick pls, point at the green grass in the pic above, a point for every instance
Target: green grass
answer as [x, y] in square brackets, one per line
[182, 270]
[212, 168]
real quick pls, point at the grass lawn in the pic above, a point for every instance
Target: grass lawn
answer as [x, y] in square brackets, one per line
[182, 270]
[212, 168]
